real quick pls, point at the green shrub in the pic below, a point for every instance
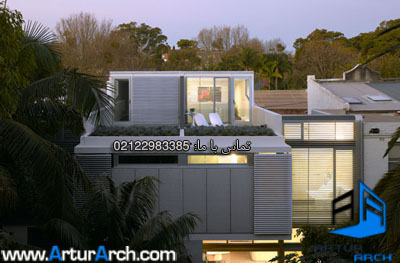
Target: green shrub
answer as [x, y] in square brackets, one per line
[137, 131]
[191, 131]
[229, 131]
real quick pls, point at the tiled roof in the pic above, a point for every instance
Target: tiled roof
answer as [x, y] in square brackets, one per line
[281, 99]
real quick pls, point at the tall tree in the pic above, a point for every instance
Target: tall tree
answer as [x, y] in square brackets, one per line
[148, 42]
[222, 37]
[16, 65]
[85, 43]
[324, 60]
[48, 98]
[185, 58]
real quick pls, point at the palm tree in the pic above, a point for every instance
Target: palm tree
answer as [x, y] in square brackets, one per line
[388, 188]
[269, 69]
[124, 216]
[50, 98]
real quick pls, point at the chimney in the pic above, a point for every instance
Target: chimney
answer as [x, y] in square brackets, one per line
[361, 73]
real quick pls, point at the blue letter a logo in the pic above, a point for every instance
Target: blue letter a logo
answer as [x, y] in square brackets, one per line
[372, 216]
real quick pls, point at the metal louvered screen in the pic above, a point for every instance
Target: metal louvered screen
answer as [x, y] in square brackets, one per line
[155, 100]
[272, 194]
[97, 168]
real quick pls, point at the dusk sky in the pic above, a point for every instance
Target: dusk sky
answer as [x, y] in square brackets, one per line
[265, 19]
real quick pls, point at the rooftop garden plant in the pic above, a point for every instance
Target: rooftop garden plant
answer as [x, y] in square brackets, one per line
[229, 131]
[190, 131]
[137, 131]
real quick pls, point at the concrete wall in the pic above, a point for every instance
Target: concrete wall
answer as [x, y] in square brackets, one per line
[221, 197]
[375, 145]
[262, 116]
[320, 98]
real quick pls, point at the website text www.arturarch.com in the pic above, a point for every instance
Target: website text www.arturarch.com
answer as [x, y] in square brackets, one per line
[101, 254]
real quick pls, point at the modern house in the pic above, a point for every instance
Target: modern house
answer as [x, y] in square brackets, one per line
[257, 176]
[362, 92]
[237, 177]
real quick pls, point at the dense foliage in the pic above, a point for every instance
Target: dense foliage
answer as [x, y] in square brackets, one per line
[229, 131]
[136, 131]
[190, 131]
[323, 53]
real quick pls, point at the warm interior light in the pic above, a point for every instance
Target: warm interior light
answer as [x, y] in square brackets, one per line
[234, 158]
[264, 256]
[218, 257]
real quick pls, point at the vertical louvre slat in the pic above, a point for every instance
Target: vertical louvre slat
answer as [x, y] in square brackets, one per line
[96, 167]
[320, 184]
[344, 180]
[272, 194]
[300, 185]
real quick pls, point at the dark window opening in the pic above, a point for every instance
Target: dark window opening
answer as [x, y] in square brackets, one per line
[148, 159]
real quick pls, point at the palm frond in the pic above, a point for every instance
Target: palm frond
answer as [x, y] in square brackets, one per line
[388, 189]
[8, 195]
[162, 232]
[69, 235]
[43, 43]
[382, 53]
[149, 229]
[108, 222]
[46, 117]
[55, 169]
[389, 29]
[89, 95]
[393, 140]
[174, 231]
[138, 202]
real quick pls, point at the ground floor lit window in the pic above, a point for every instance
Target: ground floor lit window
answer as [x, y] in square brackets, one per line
[217, 159]
[239, 256]
[247, 251]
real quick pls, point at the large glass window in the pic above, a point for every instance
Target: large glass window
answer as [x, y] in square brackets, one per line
[317, 172]
[242, 100]
[319, 131]
[206, 95]
[121, 108]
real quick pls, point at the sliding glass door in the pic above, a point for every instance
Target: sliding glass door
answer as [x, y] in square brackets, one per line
[206, 95]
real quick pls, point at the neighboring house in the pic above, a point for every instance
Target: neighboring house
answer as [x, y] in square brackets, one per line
[245, 195]
[282, 101]
[362, 91]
